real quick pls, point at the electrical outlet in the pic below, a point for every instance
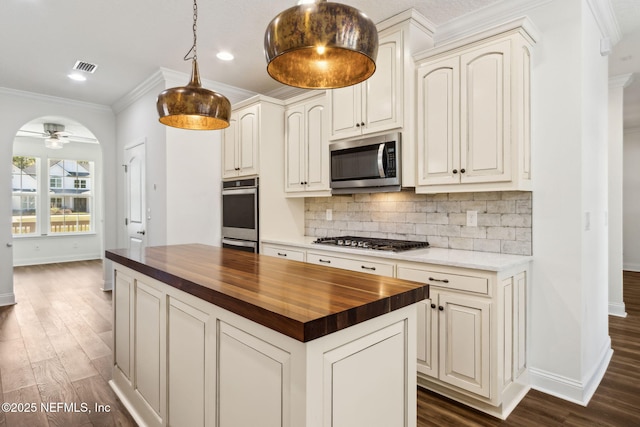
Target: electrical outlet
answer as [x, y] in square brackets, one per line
[329, 215]
[472, 218]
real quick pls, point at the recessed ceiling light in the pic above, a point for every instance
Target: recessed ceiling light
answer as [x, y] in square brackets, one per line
[77, 77]
[225, 56]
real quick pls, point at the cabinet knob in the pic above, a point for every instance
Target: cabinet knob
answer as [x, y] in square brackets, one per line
[433, 305]
[361, 123]
[462, 170]
[455, 171]
[357, 125]
[441, 308]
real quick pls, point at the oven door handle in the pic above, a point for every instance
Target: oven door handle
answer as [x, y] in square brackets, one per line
[227, 192]
[243, 243]
[380, 158]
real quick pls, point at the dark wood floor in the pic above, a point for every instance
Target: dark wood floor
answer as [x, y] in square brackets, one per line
[55, 347]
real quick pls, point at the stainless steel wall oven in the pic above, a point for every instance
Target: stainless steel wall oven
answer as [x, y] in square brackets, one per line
[240, 214]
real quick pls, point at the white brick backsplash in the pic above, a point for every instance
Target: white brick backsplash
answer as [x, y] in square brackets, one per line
[501, 206]
[448, 207]
[473, 232]
[490, 220]
[501, 233]
[461, 243]
[437, 218]
[449, 230]
[504, 219]
[486, 245]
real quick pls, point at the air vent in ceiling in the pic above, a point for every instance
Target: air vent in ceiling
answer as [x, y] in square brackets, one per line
[85, 66]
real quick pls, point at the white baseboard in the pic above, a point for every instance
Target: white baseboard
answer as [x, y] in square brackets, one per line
[630, 266]
[617, 309]
[55, 259]
[7, 299]
[579, 392]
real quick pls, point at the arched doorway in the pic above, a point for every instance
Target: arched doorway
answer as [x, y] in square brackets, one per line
[57, 188]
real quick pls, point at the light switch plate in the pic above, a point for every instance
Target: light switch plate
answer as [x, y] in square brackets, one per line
[472, 218]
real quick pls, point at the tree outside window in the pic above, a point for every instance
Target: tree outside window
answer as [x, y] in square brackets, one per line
[24, 196]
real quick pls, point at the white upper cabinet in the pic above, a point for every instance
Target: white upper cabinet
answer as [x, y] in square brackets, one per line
[375, 104]
[307, 148]
[473, 116]
[386, 101]
[241, 143]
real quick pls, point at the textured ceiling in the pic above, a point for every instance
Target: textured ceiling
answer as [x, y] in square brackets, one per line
[129, 40]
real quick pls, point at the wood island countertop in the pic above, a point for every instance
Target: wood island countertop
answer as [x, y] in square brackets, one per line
[300, 300]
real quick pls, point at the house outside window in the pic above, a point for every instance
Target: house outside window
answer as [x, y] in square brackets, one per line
[70, 202]
[55, 182]
[24, 196]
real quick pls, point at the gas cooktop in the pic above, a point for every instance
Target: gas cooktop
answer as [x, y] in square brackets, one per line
[372, 243]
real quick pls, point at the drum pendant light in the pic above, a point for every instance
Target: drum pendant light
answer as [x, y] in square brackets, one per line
[192, 106]
[321, 45]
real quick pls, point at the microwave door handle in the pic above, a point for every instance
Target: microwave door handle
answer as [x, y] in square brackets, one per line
[380, 157]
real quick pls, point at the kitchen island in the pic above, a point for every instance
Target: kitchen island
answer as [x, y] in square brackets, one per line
[211, 336]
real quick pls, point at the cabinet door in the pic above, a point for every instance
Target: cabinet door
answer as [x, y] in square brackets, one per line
[317, 146]
[253, 380]
[346, 114]
[148, 330]
[248, 140]
[464, 342]
[190, 364]
[485, 113]
[123, 315]
[295, 173]
[230, 149]
[428, 338]
[382, 95]
[439, 122]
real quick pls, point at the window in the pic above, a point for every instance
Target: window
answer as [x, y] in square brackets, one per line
[24, 195]
[55, 182]
[70, 200]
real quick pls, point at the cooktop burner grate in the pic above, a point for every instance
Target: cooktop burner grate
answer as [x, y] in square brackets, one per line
[372, 243]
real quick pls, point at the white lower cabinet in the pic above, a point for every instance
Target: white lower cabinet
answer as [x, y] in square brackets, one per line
[181, 361]
[472, 335]
[353, 264]
[471, 342]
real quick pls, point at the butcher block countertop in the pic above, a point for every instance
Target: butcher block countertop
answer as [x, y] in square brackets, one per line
[300, 300]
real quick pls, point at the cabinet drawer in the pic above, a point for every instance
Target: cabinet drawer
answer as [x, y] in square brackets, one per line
[289, 254]
[372, 267]
[446, 280]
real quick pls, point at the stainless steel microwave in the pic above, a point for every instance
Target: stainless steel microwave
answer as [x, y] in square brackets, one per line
[366, 165]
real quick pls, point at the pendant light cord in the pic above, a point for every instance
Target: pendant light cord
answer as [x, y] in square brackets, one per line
[195, 37]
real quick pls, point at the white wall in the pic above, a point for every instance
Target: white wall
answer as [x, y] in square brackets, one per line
[631, 196]
[569, 131]
[18, 108]
[194, 182]
[135, 122]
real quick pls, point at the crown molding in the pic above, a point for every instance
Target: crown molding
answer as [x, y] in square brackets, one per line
[480, 20]
[285, 92]
[54, 99]
[607, 23]
[410, 15]
[170, 78]
[622, 80]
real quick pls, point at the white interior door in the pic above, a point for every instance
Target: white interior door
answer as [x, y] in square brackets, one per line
[135, 196]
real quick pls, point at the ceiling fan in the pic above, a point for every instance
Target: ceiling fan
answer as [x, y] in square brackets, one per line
[55, 136]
